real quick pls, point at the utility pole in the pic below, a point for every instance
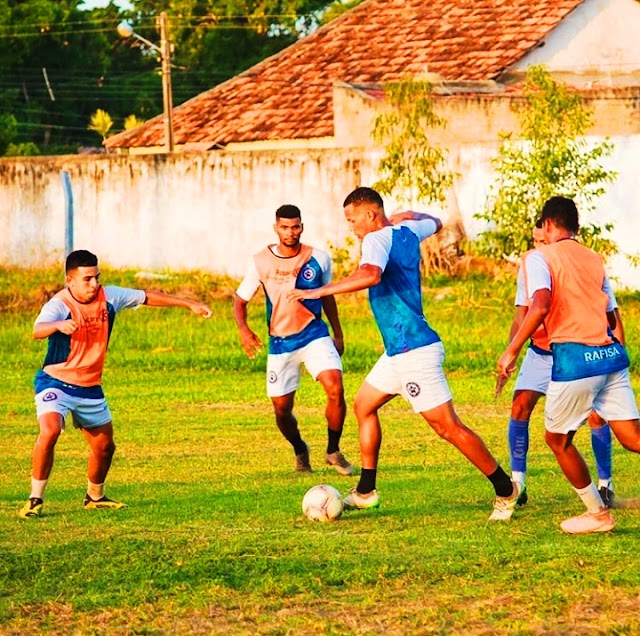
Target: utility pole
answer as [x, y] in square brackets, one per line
[165, 54]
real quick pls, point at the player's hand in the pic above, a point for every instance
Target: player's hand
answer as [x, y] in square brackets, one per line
[506, 366]
[67, 326]
[250, 343]
[201, 309]
[301, 294]
[339, 344]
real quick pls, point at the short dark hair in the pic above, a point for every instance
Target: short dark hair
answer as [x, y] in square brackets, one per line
[363, 195]
[80, 258]
[538, 224]
[288, 212]
[563, 212]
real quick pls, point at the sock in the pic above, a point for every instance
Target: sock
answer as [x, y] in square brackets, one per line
[367, 481]
[519, 478]
[590, 498]
[37, 488]
[518, 444]
[298, 444]
[601, 445]
[605, 483]
[501, 482]
[95, 491]
[334, 440]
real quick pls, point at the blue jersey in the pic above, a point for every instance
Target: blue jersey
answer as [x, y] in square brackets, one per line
[396, 301]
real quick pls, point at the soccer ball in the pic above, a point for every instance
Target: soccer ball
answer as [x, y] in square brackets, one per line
[322, 503]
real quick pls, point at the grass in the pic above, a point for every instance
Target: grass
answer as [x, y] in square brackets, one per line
[214, 540]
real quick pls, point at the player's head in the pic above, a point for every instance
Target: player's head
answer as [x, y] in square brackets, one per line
[538, 235]
[288, 225]
[364, 210]
[562, 213]
[82, 275]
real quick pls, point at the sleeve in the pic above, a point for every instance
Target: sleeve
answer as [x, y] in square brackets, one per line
[250, 283]
[422, 229]
[521, 292]
[538, 273]
[606, 288]
[124, 298]
[52, 311]
[376, 247]
[324, 260]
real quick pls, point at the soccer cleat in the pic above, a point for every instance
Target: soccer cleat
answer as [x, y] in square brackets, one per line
[33, 508]
[523, 497]
[589, 522]
[608, 498]
[102, 504]
[340, 463]
[303, 463]
[357, 501]
[503, 507]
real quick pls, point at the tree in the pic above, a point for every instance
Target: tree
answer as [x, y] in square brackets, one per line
[550, 156]
[412, 169]
[101, 122]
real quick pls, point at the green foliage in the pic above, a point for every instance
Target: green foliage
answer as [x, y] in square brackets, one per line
[8, 128]
[342, 258]
[101, 122]
[27, 149]
[550, 156]
[413, 170]
[132, 121]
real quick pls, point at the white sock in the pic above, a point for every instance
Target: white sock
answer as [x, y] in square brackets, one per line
[37, 488]
[605, 483]
[519, 478]
[590, 498]
[95, 491]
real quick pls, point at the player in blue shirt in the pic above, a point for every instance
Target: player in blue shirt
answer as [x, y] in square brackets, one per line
[411, 364]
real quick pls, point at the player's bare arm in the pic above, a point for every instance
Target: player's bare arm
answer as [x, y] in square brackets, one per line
[45, 329]
[409, 215]
[249, 340]
[615, 322]
[160, 299]
[364, 277]
[330, 309]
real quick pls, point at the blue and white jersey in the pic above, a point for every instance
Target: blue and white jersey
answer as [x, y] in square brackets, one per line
[396, 301]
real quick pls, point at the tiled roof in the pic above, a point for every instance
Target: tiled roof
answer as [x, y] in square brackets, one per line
[289, 95]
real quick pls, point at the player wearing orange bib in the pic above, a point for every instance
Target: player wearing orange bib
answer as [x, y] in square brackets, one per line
[77, 322]
[590, 369]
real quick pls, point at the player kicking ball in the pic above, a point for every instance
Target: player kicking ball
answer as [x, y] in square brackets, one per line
[77, 322]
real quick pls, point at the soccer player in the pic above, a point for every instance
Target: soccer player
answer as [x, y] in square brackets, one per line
[77, 322]
[531, 384]
[411, 364]
[567, 288]
[297, 334]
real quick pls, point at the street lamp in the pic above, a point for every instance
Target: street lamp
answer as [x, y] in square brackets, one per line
[125, 30]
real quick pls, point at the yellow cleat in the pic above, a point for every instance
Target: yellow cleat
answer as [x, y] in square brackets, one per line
[33, 508]
[102, 504]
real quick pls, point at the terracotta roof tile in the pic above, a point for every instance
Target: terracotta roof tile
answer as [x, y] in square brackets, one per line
[289, 95]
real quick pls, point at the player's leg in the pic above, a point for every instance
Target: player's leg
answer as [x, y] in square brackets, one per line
[323, 363]
[602, 451]
[51, 424]
[283, 379]
[101, 450]
[368, 402]
[567, 408]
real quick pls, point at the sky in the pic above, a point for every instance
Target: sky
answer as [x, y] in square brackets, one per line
[94, 4]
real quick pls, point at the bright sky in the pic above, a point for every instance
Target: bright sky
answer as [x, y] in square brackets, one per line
[93, 4]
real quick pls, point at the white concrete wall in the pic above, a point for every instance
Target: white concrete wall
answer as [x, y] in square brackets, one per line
[211, 211]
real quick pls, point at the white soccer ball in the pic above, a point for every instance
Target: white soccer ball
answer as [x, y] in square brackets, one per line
[322, 503]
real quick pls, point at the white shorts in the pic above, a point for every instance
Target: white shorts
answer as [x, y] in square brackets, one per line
[87, 412]
[283, 369]
[535, 372]
[416, 375]
[569, 404]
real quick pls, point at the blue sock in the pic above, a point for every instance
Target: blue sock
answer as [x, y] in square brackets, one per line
[601, 444]
[519, 444]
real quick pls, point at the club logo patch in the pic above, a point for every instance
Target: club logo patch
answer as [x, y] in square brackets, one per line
[308, 273]
[413, 389]
[272, 377]
[49, 396]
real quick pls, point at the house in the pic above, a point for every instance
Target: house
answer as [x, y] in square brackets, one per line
[300, 97]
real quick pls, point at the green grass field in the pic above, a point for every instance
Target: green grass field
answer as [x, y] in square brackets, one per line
[214, 541]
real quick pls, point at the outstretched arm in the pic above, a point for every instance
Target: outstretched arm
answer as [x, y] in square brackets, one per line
[364, 277]
[409, 215]
[330, 308]
[160, 299]
[249, 340]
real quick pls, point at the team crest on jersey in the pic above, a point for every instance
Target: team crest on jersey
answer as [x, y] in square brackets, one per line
[49, 396]
[272, 377]
[413, 389]
[308, 273]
